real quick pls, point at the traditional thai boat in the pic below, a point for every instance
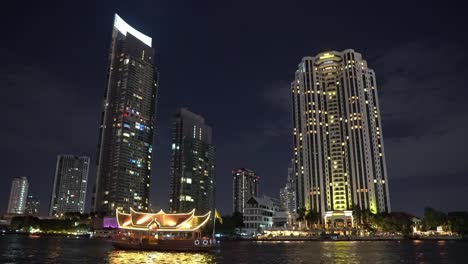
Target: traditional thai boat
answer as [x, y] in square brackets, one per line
[162, 232]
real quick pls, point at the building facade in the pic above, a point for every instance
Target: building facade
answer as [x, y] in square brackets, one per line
[193, 165]
[339, 157]
[32, 205]
[288, 193]
[18, 195]
[245, 184]
[70, 185]
[258, 213]
[127, 123]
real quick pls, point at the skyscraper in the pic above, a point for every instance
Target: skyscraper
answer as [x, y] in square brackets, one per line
[193, 168]
[244, 185]
[32, 205]
[70, 184]
[339, 153]
[288, 193]
[18, 195]
[127, 123]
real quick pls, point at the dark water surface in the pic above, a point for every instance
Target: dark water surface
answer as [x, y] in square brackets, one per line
[23, 249]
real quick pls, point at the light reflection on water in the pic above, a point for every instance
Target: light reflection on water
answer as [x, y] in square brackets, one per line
[22, 249]
[120, 256]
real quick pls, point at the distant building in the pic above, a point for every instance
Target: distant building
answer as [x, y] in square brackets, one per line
[284, 219]
[127, 123]
[258, 213]
[32, 205]
[244, 185]
[193, 165]
[70, 183]
[288, 193]
[339, 155]
[18, 195]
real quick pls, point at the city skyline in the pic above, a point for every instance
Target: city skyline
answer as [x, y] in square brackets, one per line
[203, 55]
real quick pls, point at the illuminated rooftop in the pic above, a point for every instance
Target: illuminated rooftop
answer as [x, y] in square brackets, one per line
[125, 28]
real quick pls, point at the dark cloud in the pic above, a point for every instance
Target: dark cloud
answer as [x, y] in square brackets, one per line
[423, 103]
[278, 96]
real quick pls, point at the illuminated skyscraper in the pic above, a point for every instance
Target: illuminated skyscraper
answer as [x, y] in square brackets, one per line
[18, 195]
[127, 123]
[193, 168]
[339, 153]
[244, 185]
[70, 184]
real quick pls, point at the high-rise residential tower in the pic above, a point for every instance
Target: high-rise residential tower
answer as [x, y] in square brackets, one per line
[127, 123]
[339, 153]
[32, 205]
[193, 165]
[18, 195]
[244, 185]
[70, 184]
[288, 193]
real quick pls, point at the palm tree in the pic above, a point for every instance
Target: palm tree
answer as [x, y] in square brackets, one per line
[313, 217]
[357, 215]
[302, 212]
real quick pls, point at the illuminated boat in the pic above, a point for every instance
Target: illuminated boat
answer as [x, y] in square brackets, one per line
[162, 232]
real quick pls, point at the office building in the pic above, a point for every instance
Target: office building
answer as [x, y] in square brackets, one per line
[18, 195]
[193, 168]
[339, 157]
[70, 184]
[244, 185]
[127, 123]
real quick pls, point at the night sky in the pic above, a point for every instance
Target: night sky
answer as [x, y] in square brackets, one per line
[232, 62]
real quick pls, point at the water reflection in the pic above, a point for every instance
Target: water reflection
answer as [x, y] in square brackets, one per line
[120, 256]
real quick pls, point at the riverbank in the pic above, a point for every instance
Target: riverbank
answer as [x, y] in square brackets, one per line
[393, 238]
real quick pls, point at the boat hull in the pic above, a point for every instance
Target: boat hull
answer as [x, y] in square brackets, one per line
[174, 245]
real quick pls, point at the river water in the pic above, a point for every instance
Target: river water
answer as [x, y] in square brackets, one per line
[24, 249]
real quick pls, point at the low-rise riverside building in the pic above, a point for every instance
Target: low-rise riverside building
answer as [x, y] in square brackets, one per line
[258, 214]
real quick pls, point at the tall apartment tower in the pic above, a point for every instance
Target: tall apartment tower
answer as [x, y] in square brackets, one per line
[339, 157]
[288, 192]
[193, 165]
[127, 123]
[18, 195]
[70, 184]
[245, 184]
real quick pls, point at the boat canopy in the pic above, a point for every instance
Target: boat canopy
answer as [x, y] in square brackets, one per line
[161, 221]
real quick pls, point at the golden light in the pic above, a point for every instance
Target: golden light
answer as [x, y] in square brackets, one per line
[326, 56]
[143, 219]
[171, 223]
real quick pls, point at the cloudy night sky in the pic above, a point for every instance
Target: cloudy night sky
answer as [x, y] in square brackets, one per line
[232, 62]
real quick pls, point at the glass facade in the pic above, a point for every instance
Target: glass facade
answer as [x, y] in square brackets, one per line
[127, 123]
[193, 167]
[70, 184]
